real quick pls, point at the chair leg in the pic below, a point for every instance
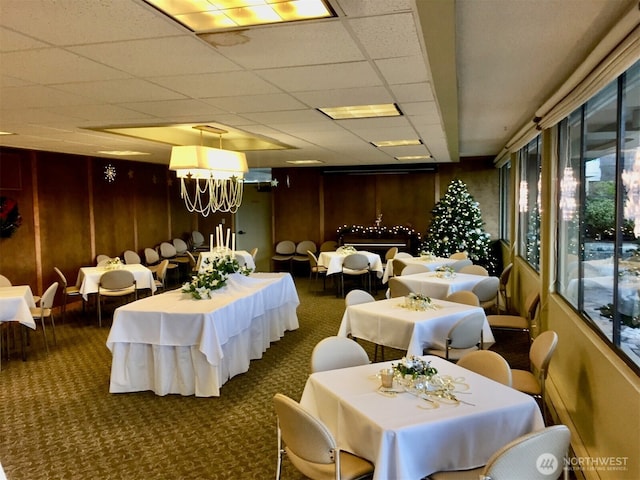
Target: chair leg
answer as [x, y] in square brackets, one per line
[53, 329]
[44, 334]
[99, 312]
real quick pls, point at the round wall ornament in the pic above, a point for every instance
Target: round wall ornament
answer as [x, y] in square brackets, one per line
[10, 218]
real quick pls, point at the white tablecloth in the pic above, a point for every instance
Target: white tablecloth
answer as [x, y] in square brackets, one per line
[387, 322]
[15, 303]
[402, 436]
[89, 277]
[431, 263]
[334, 260]
[431, 285]
[171, 343]
[240, 254]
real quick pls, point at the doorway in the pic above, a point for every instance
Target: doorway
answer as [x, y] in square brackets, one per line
[253, 225]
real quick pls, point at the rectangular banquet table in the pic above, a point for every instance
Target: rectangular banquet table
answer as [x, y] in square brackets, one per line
[240, 254]
[432, 263]
[15, 303]
[334, 260]
[89, 277]
[389, 323]
[434, 286]
[403, 435]
[172, 343]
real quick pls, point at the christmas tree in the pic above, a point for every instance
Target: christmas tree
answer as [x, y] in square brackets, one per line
[457, 226]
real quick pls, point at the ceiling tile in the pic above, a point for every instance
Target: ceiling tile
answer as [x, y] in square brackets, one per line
[259, 103]
[413, 92]
[215, 85]
[322, 77]
[120, 91]
[388, 36]
[182, 107]
[345, 97]
[11, 41]
[403, 70]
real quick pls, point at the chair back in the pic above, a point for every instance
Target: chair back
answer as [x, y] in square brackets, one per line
[403, 255]
[518, 459]
[504, 276]
[151, 257]
[390, 253]
[4, 281]
[254, 252]
[414, 268]
[313, 260]
[397, 288]
[131, 257]
[531, 304]
[398, 266]
[486, 289]
[304, 246]
[305, 435]
[102, 259]
[192, 259]
[475, 270]
[459, 255]
[167, 250]
[285, 247]
[197, 239]
[61, 277]
[356, 297]
[459, 264]
[180, 245]
[48, 296]
[329, 246]
[467, 332]
[335, 352]
[466, 297]
[161, 272]
[356, 261]
[542, 350]
[117, 280]
[488, 364]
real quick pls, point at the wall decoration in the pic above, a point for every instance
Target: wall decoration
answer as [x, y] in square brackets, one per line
[110, 173]
[10, 218]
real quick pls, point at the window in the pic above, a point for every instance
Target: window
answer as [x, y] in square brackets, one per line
[598, 267]
[529, 203]
[505, 202]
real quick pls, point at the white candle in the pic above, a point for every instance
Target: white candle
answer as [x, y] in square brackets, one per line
[211, 242]
[233, 244]
[226, 245]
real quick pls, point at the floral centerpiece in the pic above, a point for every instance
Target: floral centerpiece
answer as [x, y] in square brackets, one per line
[417, 301]
[414, 366]
[445, 272]
[214, 275]
[347, 250]
[427, 255]
[113, 263]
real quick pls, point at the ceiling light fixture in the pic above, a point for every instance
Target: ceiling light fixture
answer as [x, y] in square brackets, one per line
[216, 15]
[362, 111]
[408, 158]
[215, 176]
[303, 162]
[397, 143]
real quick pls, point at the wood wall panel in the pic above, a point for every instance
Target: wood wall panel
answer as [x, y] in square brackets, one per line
[297, 205]
[348, 199]
[406, 200]
[151, 205]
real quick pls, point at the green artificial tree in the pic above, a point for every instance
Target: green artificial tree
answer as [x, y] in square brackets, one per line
[456, 226]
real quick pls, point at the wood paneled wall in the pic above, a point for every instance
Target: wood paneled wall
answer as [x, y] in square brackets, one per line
[71, 212]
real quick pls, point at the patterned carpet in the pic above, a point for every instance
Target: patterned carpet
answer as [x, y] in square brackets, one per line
[59, 421]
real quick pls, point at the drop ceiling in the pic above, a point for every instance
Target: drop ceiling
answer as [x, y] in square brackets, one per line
[466, 75]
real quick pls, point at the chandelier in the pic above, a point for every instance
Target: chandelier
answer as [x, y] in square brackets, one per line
[211, 179]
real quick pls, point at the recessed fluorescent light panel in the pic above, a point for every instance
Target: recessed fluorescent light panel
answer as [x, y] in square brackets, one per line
[409, 158]
[362, 111]
[397, 143]
[216, 15]
[304, 162]
[122, 153]
[6, 133]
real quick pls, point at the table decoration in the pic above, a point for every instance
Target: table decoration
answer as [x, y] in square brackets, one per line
[346, 250]
[113, 264]
[427, 256]
[214, 275]
[445, 272]
[418, 302]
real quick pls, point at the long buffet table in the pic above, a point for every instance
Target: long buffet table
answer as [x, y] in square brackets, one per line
[171, 343]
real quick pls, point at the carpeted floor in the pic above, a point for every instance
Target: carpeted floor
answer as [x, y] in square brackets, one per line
[59, 421]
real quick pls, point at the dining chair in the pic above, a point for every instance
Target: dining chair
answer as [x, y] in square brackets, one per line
[466, 297]
[45, 310]
[131, 257]
[464, 336]
[311, 447]
[301, 257]
[475, 270]
[459, 264]
[67, 291]
[356, 297]
[355, 265]
[503, 297]
[4, 281]
[520, 458]
[316, 270]
[403, 255]
[398, 266]
[488, 364]
[102, 259]
[518, 322]
[397, 288]
[285, 250]
[487, 292]
[115, 283]
[169, 252]
[197, 241]
[329, 246]
[413, 268]
[161, 275]
[193, 263]
[391, 252]
[459, 256]
[533, 382]
[335, 352]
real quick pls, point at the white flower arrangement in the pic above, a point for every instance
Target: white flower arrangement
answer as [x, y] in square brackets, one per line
[445, 272]
[347, 250]
[215, 273]
[113, 264]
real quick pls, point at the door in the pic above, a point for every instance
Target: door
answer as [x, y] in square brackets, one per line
[253, 225]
